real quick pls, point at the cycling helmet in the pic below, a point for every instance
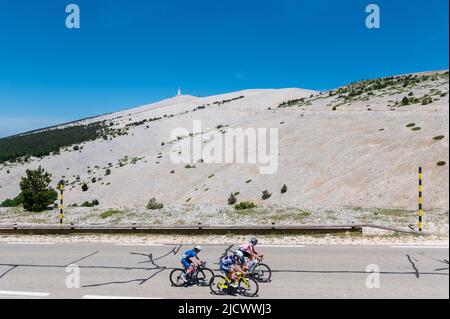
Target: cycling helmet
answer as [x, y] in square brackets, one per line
[254, 240]
[239, 255]
[198, 248]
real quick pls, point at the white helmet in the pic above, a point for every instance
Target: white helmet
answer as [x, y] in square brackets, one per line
[198, 247]
[240, 255]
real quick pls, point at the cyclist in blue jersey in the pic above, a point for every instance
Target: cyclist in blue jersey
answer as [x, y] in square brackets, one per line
[190, 259]
[231, 264]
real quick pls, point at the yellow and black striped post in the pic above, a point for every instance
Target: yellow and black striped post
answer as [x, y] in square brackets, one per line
[420, 200]
[61, 203]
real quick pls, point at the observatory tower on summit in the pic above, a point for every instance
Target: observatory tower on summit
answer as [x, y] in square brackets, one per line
[179, 91]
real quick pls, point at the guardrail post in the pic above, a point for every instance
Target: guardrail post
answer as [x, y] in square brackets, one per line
[420, 200]
[61, 201]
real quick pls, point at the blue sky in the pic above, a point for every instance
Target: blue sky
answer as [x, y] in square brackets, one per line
[132, 52]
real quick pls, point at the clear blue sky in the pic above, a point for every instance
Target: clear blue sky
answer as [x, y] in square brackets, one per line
[132, 52]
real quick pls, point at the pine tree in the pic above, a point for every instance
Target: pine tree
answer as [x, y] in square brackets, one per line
[36, 194]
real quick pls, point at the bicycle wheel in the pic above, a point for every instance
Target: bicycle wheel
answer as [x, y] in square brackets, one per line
[175, 277]
[204, 276]
[248, 287]
[216, 284]
[262, 273]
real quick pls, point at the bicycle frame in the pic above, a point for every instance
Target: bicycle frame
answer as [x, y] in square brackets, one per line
[240, 276]
[254, 264]
[197, 268]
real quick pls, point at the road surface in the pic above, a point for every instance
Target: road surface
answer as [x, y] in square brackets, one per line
[40, 270]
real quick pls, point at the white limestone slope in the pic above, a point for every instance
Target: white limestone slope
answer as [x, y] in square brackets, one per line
[351, 157]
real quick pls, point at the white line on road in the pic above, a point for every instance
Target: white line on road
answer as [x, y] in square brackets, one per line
[29, 243]
[419, 247]
[283, 246]
[113, 297]
[24, 293]
[141, 245]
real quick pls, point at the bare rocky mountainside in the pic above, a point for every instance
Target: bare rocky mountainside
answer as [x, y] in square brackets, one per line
[347, 155]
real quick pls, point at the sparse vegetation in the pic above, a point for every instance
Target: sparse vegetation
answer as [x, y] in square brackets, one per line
[393, 212]
[266, 194]
[364, 90]
[92, 203]
[427, 100]
[291, 102]
[232, 199]
[244, 205]
[110, 213]
[17, 201]
[405, 101]
[142, 122]
[438, 138]
[153, 204]
[284, 189]
[441, 163]
[229, 100]
[297, 217]
[84, 187]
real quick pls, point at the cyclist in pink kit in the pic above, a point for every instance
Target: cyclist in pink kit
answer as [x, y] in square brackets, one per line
[249, 251]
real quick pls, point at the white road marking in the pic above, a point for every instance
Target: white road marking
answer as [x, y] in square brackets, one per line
[113, 297]
[283, 246]
[29, 243]
[141, 244]
[421, 246]
[24, 293]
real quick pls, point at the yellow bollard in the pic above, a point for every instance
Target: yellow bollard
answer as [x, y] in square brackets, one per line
[61, 203]
[420, 200]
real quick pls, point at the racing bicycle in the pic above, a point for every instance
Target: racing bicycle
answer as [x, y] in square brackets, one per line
[201, 276]
[246, 286]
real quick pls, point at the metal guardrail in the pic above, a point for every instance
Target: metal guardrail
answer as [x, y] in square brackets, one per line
[198, 229]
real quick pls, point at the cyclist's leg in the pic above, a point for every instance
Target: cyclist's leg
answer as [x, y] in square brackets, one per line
[233, 276]
[190, 268]
[185, 264]
[248, 258]
[226, 270]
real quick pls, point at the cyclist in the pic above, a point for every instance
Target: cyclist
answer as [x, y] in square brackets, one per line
[249, 251]
[231, 264]
[190, 259]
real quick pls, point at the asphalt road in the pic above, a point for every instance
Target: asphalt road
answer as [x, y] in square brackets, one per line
[136, 271]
